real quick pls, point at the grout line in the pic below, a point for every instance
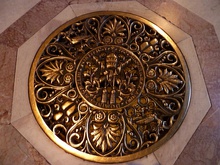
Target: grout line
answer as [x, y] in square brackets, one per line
[210, 116]
[156, 158]
[13, 123]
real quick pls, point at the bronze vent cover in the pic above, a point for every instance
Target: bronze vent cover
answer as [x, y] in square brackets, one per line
[109, 87]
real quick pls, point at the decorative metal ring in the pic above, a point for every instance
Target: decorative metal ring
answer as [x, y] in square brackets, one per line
[109, 87]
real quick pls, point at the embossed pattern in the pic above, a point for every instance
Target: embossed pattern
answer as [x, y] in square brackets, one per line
[110, 85]
[202, 148]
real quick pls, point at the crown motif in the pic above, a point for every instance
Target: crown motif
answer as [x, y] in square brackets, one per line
[111, 60]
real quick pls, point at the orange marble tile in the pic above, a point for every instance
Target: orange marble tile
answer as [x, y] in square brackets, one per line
[7, 69]
[84, 1]
[38, 16]
[89, 5]
[205, 40]
[204, 37]
[14, 149]
[199, 149]
[12, 38]
[12, 10]
[204, 147]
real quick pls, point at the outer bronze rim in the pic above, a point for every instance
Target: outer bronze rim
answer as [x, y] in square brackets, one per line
[106, 159]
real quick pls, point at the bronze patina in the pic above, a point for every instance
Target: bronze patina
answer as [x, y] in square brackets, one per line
[109, 87]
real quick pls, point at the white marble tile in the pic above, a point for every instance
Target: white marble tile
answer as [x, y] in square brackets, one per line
[199, 5]
[135, 8]
[32, 45]
[22, 117]
[150, 159]
[24, 62]
[29, 128]
[175, 33]
[126, 6]
[11, 10]
[199, 106]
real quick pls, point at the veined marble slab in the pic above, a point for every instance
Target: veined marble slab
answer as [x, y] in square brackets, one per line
[24, 122]
[11, 10]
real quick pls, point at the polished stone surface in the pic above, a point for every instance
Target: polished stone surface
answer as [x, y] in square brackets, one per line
[9, 16]
[22, 110]
[206, 9]
[7, 68]
[203, 147]
[24, 61]
[15, 149]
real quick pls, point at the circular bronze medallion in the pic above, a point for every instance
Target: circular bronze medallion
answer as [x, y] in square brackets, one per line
[109, 87]
[110, 67]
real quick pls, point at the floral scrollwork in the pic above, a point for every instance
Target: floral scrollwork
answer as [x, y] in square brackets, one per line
[106, 130]
[109, 85]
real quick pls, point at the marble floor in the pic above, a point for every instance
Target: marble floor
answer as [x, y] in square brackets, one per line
[20, 20]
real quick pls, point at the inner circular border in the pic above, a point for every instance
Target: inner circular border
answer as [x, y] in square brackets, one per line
[95, 158]
[133, 57]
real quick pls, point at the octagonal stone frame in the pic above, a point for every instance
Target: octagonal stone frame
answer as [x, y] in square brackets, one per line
[24, 121]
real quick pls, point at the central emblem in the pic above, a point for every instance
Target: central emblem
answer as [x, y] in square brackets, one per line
[109, 87]
[110, 77]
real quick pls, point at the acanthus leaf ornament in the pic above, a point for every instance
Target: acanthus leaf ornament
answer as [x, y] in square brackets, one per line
[109, 85]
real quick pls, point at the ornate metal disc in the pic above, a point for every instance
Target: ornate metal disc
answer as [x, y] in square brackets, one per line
[109, 87]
